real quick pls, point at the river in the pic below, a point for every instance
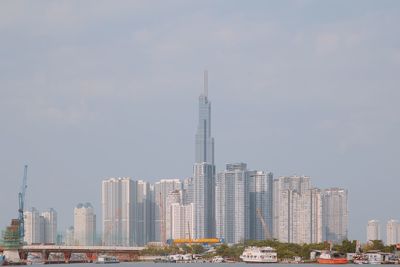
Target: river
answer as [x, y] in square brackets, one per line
[151, 264]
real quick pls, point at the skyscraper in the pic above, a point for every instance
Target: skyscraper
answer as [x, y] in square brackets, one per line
[182, 220]
[118, 203]
[204, 170]
[392, 232]
[33, 227]
[142, 211]
[260, 204]
[204, 200]
[188, 194]
[174, 197]
[232, 203]
[69, 239]
[204, 151]
[50, 226]
[84, 225]
[299, 219]
[373, 230]
[334, 215]
[161, 190]
[40, 228]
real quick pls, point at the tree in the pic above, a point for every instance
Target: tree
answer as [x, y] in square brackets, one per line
[346, 246]
[197, 249]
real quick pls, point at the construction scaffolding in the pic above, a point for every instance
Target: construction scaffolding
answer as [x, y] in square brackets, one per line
[10, 238]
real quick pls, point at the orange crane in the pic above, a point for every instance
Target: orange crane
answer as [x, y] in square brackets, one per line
[264, 224]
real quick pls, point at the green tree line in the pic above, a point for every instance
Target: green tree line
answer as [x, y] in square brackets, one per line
[284, 250]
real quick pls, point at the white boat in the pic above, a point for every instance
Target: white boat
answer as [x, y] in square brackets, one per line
[259, 255]
[218, 259]
[107, 259]
[374, 258]
[360, 259]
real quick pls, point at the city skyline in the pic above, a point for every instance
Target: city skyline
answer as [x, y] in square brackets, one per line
[234, 205]
[91, 91]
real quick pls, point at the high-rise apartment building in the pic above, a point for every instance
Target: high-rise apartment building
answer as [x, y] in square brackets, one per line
[84, 225]
[69, 239]
[182, 220]
[373, 230]
[204, 200]
[143, 213]
[275, 209]
[299, 219]
[232, 203]
[174, 197]
[40, 228]
[34, 224]
[50, 226]
[392, 232]
[334, 215]
[260, 204]
[118, 207]
[188, 193]
[316, 216]
[161, 190]
[204, 170]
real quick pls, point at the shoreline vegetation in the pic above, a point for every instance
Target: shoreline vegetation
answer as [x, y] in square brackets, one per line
[284, 250]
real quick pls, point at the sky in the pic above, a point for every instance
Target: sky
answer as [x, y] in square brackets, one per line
[96, 89]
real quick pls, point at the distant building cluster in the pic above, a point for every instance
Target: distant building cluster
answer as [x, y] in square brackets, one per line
[40, 227]
[392, 231]
[234, 204]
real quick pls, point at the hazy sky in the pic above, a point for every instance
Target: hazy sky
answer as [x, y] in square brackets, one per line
[97, 89]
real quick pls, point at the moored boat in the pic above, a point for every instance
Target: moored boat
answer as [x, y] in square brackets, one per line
[360, 259]
[259, 255]
[218, 259]
[107, 259]
[331, 257]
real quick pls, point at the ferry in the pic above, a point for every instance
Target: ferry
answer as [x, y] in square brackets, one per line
[107, 259]
[331, 257]
[259, 255]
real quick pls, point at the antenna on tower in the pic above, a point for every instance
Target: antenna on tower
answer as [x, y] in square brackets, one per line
[206, 83]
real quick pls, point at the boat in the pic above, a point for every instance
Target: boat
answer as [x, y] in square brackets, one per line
[374, 257]
[107, 259]
[218, 259]
[259, 255]
[331, 257]
[360, 259]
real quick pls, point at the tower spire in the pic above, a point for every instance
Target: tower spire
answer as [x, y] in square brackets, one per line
[206, 83]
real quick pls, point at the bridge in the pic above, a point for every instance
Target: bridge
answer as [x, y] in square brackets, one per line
[91, 252]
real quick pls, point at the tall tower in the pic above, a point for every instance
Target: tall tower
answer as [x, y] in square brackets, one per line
[204, 142]
[334, 215]
[232, 203]
[118, 207]
[204, 170]
[50, 226]
[84, 225]
[373, 231]
[392, 232]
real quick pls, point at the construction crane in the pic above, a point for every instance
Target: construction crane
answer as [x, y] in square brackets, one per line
[21, 200]
[264, 224]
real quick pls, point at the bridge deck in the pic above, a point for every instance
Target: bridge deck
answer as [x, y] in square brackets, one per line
[78, 249]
